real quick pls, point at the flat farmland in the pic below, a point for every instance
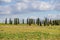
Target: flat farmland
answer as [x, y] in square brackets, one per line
[26, 32]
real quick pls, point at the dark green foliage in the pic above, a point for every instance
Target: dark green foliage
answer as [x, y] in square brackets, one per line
[23, 21]
[30, 22]
[56, 22]
[27, 21]
[46, 22]
[18, 22]
[6, 21]
[38, 21]
[33, 21]
[15, 21]
[51, 22]
[10, 21]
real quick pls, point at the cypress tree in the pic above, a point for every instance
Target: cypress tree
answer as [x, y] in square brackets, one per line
[46, 22]
[56, 22]
[53, 22]
[30, 22]
[50, 22]
[6, 21]
[10, 21]
[18, 21]
[23, 21]
[33, 21]
[38, 21]
[27, 21]
[15, 21]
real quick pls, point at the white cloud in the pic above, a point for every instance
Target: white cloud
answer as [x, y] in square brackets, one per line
[5, 10]
[51, 16]
[42, 5]
[54, 16]
[33, 17]
[45, 6]
[21, 6]
[7, 0]
[26, 0]
[28, 5]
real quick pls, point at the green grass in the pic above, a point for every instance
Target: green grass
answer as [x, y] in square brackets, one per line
[29, 35]
[26, 32]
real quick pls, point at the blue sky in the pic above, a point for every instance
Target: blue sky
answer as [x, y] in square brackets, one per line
[29, 9]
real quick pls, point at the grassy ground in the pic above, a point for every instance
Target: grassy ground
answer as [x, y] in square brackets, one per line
[26, 32]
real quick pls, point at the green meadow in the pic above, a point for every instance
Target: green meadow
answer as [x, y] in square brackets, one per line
[26, 32]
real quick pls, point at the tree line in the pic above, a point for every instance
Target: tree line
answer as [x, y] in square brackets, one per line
[30, 21]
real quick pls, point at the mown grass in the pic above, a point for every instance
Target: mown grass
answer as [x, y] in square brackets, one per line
[26, 32]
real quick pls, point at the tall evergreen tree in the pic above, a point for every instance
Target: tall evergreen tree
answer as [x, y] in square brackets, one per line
[50, 22]
[38, 21]
[46, 22]
[23, 21]
[27, 21]
[18, 21]
[53, 22]
[5, 20]
[56, 22]
[33, 21]
[15, 21]
[10, 21]
[30, 22]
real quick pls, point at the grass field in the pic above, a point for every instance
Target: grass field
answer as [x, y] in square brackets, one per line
[26, 32]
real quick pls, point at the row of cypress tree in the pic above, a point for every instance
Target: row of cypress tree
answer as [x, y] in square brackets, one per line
[45, 22]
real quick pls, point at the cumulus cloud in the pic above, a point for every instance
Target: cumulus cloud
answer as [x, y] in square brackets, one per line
[21, 6]
[51, 16]
[33, 17]
[45, 6]
[26, 0]
[42, 5]
[54, 16]
[57, 6]
[5, 10]
[29, 6]
[7, 1]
